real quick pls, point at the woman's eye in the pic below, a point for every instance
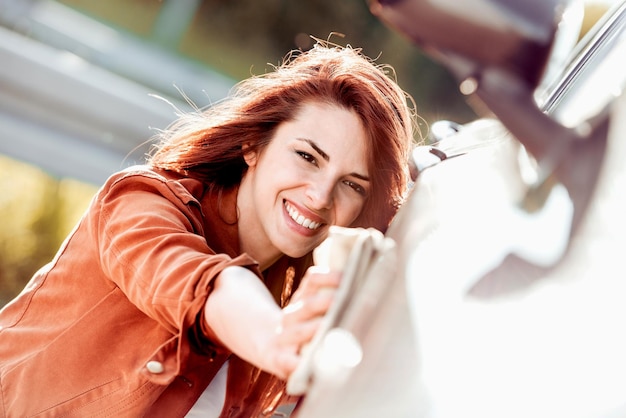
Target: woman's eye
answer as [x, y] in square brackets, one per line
[356, 187]
[307, 157]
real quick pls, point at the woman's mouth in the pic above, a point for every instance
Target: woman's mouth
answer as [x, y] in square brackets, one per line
[301, 219]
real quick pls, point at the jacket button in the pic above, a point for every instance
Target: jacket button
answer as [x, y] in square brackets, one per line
[155, 367]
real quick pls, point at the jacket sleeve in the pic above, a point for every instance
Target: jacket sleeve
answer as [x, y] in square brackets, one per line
[151, 245]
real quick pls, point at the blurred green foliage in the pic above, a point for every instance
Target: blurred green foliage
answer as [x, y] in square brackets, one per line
[37, 212]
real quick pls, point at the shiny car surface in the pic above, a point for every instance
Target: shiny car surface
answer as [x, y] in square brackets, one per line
[506, 295]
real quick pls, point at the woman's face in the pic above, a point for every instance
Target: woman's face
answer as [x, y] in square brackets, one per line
[312, 174]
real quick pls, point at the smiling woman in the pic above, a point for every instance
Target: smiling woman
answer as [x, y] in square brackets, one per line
[187, 287]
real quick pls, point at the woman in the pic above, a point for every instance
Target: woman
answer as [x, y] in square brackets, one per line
[176, 286]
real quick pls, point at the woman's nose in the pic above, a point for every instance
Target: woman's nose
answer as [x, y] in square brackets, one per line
[320, 194]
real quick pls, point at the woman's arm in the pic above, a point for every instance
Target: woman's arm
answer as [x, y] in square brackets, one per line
[243, 315]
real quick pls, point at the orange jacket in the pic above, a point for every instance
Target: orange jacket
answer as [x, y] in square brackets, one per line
[113, 325]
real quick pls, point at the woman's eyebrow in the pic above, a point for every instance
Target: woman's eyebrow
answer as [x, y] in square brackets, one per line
[316, 148]
[360, 176]
[327, 157]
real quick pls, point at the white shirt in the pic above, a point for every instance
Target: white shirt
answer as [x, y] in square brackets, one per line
[211, 402]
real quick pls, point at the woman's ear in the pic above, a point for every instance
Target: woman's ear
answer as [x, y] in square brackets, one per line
[249, 155]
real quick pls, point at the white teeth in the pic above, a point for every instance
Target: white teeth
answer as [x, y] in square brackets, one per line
[300, 219]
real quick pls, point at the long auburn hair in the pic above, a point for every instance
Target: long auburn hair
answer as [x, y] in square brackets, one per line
[208, 144]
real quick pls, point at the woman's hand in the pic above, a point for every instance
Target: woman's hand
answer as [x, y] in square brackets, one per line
[301, 318]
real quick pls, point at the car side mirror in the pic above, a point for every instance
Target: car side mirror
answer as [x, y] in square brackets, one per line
[474, 36]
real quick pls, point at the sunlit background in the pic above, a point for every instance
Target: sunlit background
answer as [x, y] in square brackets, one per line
[78, 81]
